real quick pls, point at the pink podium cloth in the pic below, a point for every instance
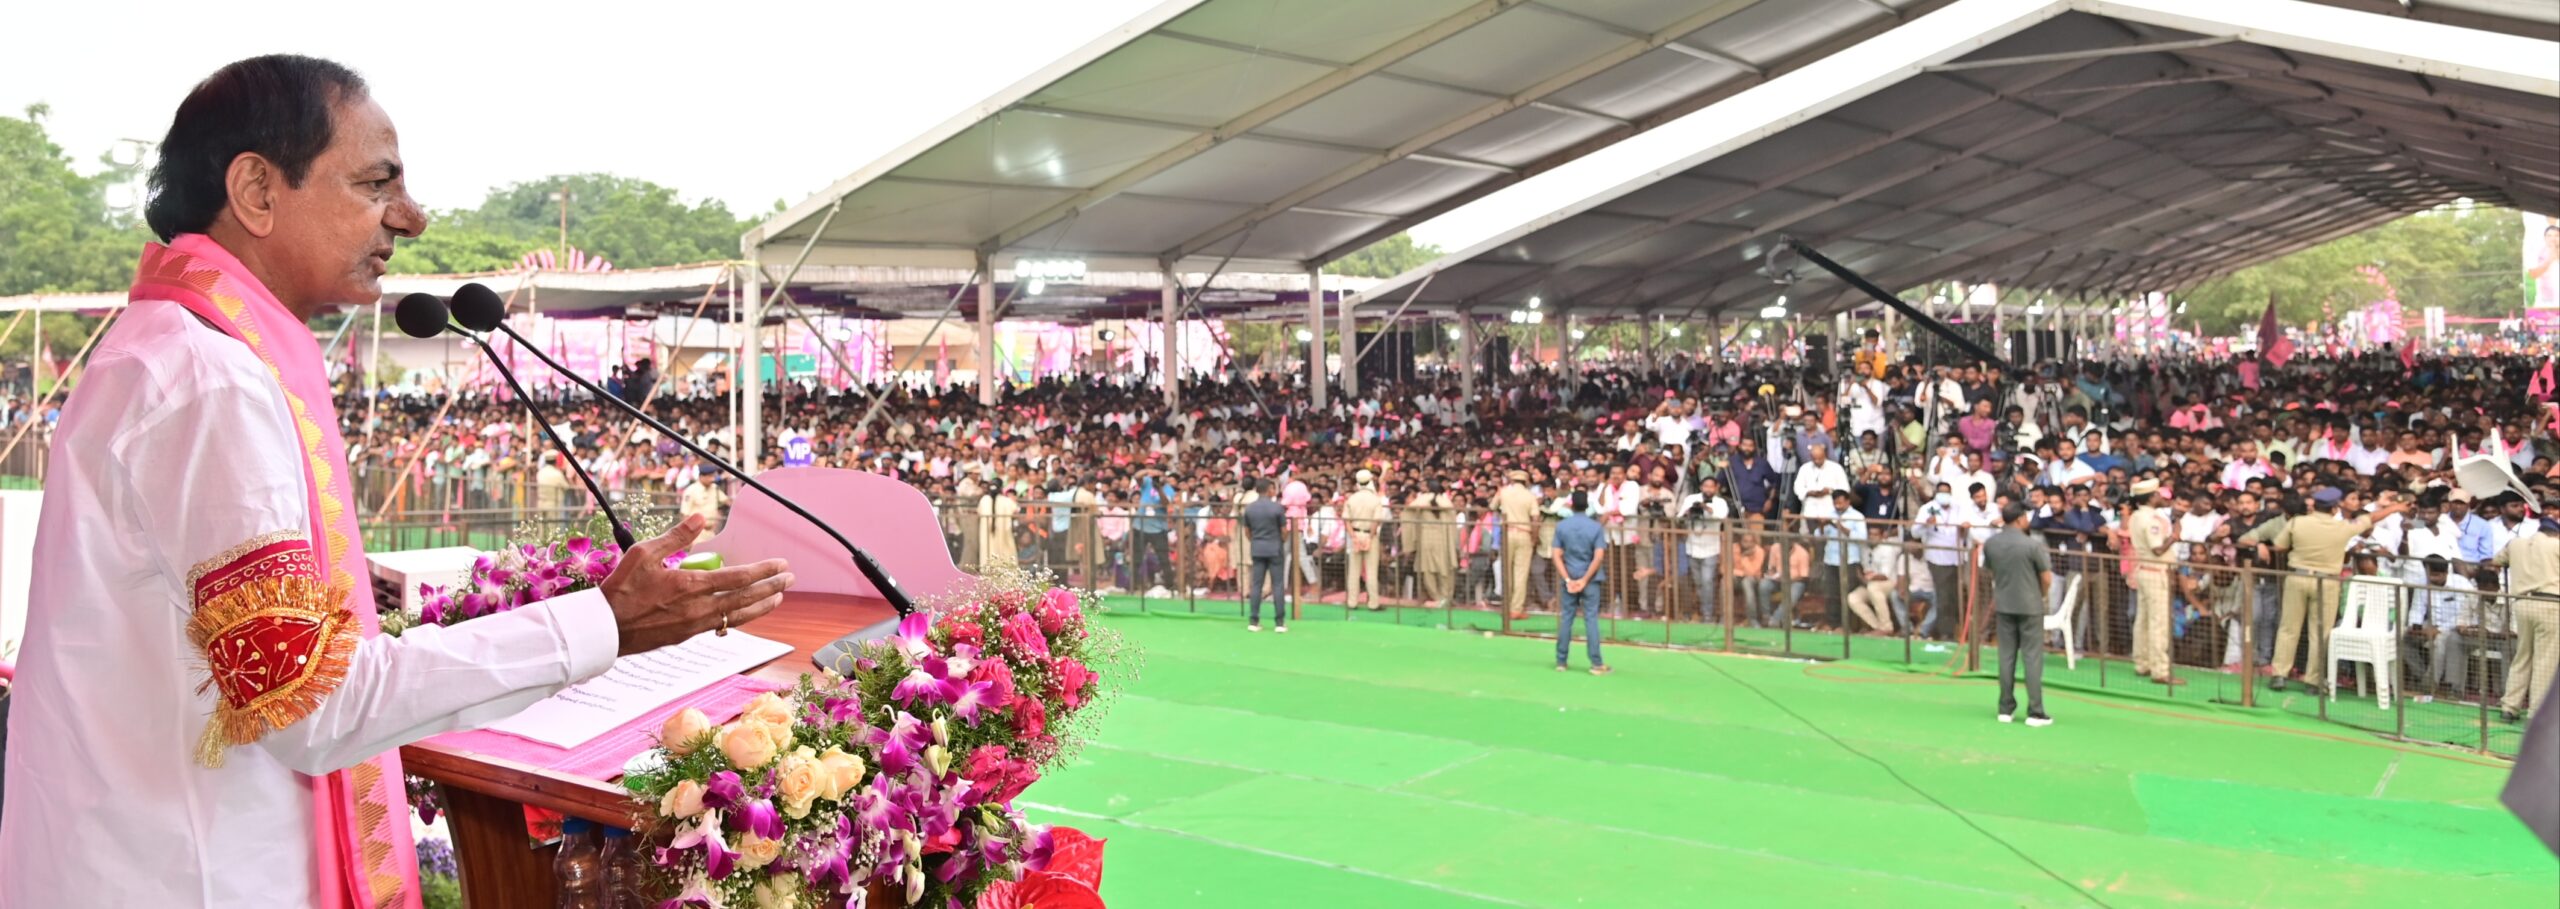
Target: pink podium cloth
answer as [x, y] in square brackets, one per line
[602, 757]
[891, 520]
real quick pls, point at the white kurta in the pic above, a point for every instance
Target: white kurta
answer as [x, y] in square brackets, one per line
[175, 451]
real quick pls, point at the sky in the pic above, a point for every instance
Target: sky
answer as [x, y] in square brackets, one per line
[745, 101]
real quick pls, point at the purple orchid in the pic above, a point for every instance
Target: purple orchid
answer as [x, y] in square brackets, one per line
[911, 638]
[697, 895]
[757, 817]
[1037, 848]
[724, 790]
[901, 743]
[476, 604]
[874, 810]
[717, 859]
[919, 684]
[967, 698]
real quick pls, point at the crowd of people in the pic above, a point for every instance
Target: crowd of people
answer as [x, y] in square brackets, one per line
[1845, 502]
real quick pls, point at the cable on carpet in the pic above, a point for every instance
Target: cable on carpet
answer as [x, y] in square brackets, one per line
[1906, 783]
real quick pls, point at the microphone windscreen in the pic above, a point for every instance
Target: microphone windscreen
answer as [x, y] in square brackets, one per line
[420, 315]
[478, 308]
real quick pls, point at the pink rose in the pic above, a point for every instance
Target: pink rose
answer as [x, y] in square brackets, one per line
[1072, 681]
[999, 677]
[1056, 608]
[998, 774]
[1024, 633]
[1030, 719]
[963, 632]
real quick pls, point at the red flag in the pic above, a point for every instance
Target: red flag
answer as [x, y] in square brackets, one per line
[2273, 346]
[2408, 355]
[2248, 373]
[2542, 384]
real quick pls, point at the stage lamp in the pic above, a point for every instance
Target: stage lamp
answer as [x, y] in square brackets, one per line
[1454, 334]
[1755, 334]
[1577, 334]
[1535, 302]
[1036, 287]
[1305, 336]
[1675, 331]
[1537, 318]
[1519, 317]
[1774, 312]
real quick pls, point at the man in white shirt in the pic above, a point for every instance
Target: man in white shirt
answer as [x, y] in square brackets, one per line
[1940, 527]
[198, 555]
[1865, 396]
[2444, 627]
[1818, 479]
[2067, 470]
[1704, 512]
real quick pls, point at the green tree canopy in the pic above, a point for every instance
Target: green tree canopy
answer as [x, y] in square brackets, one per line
[2461, 257]
[57, 234]
[631, 223]
[1386, 258]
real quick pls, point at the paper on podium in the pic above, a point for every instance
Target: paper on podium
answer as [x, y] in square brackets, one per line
[637, 684]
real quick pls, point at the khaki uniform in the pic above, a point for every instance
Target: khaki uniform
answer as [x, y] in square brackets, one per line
[2318, 545]
[1362, 513]
[973, 528]
[2532, 561]
[2150, 530]
[1519, 509]
[1432, 541]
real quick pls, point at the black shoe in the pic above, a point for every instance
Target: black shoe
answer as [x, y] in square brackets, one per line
[2039, 719]
[2277, 684]
[2509, 715]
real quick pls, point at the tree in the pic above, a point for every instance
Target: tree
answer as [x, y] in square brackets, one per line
[631, 223]
[1386, 258]
[2461, 257]
[459, 248]
[57, 234]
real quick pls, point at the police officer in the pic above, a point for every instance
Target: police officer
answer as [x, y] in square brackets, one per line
[2317, 543]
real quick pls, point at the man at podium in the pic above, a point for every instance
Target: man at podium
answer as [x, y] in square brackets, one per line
[205, 716]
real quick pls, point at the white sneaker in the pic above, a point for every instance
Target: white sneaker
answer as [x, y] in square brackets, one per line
[1159, 593]
[2033, 720]
[1253, 628]
[1199, 591]
[1284, 629]
[2004, 718]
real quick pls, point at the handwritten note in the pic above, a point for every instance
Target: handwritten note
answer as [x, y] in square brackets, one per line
[636, 685]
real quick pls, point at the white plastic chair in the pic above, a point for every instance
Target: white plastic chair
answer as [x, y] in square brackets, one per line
[2367, 633]
[2060, 620]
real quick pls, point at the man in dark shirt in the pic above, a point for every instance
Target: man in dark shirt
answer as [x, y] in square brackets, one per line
[2020, 574]
[1264, 524]
[1754, 481]
[1579, 544]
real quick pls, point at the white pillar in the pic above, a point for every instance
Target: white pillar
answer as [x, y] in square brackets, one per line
[1350, 348]
[1172, 341]
[750, 453]
[1467, 358]
[987, 330]
[1568, 354]
[1316, 378]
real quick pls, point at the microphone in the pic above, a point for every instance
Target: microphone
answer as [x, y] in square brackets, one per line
[478, 308]
[423, 316]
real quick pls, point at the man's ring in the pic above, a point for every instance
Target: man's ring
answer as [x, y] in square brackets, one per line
[724, 624]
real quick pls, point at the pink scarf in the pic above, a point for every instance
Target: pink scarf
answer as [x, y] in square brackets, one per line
[364, 856]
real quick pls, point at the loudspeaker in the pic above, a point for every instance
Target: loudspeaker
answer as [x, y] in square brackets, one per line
[1497, 356]
[1391, 359]
[1817, 361]
[1939, 350]
[2027, 347]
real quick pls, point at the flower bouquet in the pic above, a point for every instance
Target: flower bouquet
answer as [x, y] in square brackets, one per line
[541, 561]
[893, 783]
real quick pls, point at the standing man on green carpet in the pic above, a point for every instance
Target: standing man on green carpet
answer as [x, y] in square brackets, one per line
[2021, 574]
[1579, 543]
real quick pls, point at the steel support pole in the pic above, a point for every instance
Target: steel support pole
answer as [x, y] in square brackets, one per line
[1350, 348]
[1467, 357]
[1316, 379]
[1172, 358]
[750, 453]
[986, 345]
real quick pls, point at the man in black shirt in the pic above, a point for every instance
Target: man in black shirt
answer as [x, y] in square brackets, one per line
[1264, 525]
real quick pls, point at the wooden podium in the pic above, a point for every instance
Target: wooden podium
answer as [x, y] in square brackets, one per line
[485, 796]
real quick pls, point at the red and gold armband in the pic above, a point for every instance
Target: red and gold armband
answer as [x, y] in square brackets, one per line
[274, 639]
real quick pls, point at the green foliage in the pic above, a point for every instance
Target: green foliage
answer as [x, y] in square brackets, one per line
[56, 232]
[440, 892]
[2460, 257]
[631, 223]
[1386, 258]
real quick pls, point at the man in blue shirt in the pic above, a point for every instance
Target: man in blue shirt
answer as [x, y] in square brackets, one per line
[1754, 481]
[2474, 539]
[1579, 542]
[1154, 532]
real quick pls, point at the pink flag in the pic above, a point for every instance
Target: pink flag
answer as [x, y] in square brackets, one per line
[2542, 385]
[2248, 373]
[2273, 346]
[2408, 355]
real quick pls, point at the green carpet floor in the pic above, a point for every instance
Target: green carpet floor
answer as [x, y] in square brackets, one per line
[1365, 764]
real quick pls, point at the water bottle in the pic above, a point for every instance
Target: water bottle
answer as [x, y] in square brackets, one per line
[626, 871]
[579, 867]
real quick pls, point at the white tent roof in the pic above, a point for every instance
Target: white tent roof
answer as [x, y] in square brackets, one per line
[1293, 133]
[2092, 147]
